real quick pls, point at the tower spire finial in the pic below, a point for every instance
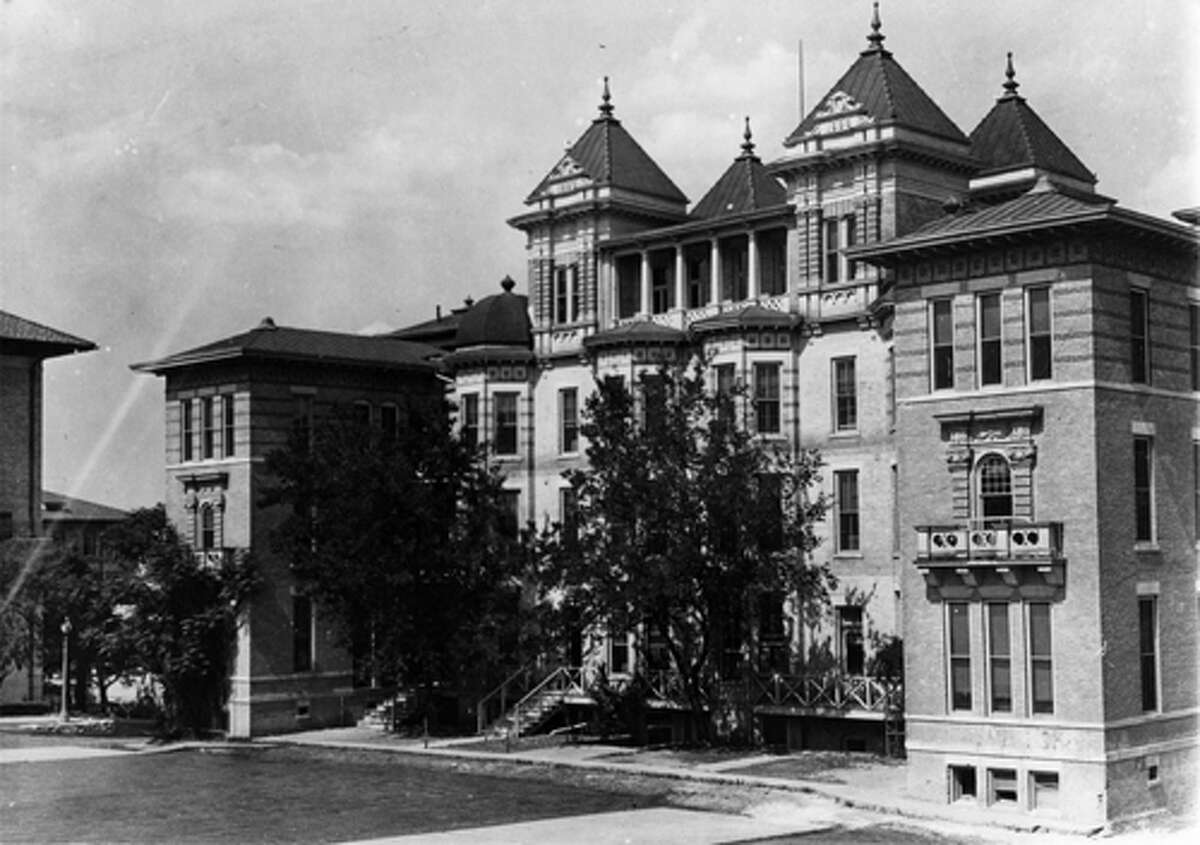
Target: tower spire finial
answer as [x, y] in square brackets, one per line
[606, 107]
[876, 37]
[747, 144]
[1010, 79]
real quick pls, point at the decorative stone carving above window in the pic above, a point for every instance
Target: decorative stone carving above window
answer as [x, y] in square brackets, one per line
[970, 436]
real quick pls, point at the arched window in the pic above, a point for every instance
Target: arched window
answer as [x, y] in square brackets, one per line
[994, 483]
[208, 528]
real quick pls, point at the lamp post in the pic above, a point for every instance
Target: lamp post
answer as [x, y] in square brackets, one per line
[66, 631]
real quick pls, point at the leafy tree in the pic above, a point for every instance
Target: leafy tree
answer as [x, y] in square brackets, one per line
[176, 616]
[20, 560]
[684, 521]
[407, 541]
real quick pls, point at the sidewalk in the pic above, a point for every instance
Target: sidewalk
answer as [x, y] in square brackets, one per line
[870, 785]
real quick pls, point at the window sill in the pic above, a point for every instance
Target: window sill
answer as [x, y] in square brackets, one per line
[845, 434]
[847, 555]
[1146, 547]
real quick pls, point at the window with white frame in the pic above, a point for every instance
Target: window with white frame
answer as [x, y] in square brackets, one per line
[766, 398]
[208, 428]
[1143, 489]
[1039, 348]
[845, 502]
[505, 430]
[839, 234]
[999, 648]
[470, 419]
[1041, 659]
[208, 527]
[1043, 791]
[993, 478]
[989, 347]
[958, 641]
[845, 395]
[1148, 651]
[566, 293]
[941, 349]
[568, 415]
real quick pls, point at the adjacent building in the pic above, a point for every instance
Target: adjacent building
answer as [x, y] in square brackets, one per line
[24, 347]
[229, 403]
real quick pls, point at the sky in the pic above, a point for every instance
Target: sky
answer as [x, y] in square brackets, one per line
[172, 172]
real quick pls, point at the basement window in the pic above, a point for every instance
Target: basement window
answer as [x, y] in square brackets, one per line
[1153, 772]
[1043, 787]
[1002, 786]
[962, 783]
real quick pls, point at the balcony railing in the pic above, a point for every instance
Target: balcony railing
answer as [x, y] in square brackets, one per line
[990, 540]
[212, 558]
[827, 693]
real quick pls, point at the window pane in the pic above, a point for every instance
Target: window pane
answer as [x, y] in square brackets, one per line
[943, 345]
[228, 437]
[766, 398]
[846, 501]
[1143, 490]
[1040, 658]
[569, 414]
[845, 399]
[960, 656]
[1137, 336]
[1147, 646]
[506, 423]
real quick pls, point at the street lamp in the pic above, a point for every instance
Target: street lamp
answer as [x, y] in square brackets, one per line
[66, 630]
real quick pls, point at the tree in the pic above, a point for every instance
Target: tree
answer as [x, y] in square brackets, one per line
[406, 540]
[20, 560]
[177, 616]
[685, 521]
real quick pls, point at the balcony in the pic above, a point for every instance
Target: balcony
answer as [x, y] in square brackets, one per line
[1012, 552]
[212, 558]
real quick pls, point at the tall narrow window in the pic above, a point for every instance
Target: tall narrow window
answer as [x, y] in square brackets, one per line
[850, 639]
[228, 431]
[562, 294]
[568, 510]
[770, 513]
[1040, 349]
[832, 254]
[1143, 489]
[208, 428]
[208, 528]
[568, 411]
[726, 381]
[995, 487]
[850, 226]
[470, 419]
[185, 430]
[510, 512]
[1041, 663]
[1194, 343]
[302, 634]
[845, 395]
[618, 653]
[660, 290]
[942, 320]
[766, 398]
[1196, 491]
[990, 365]
[1148, 650]
[999, 658]
[573, 288]
[1139, 357]
[506, 423]
[846, 502]
[958, 620]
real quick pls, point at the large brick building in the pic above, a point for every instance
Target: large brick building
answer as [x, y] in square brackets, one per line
[999, 365]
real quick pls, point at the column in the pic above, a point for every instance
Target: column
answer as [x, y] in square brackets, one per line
[752, 280]
[644, 283]
[714, 273]
[680, 299]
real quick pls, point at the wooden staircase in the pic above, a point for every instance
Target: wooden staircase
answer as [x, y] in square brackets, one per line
[533, 710]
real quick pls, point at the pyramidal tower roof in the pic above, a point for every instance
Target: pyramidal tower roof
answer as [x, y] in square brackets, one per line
[745, 186]
[607, 155]
[1012, 138]
[877, 87]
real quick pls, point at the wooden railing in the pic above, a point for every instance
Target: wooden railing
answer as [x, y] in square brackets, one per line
[830, 691]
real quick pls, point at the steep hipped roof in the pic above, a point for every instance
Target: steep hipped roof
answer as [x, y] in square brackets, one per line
[744, 186]
[282, 343]
[877, 86]
[1012, 137]
[607, 155]
[501, 319]
[26, 337]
